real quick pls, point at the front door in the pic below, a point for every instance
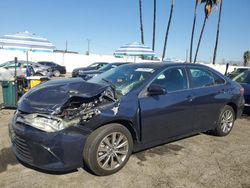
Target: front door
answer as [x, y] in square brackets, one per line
[169, 115]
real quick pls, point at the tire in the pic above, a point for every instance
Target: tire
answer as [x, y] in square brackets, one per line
[103, 160]
[56, 73]
[227, 116]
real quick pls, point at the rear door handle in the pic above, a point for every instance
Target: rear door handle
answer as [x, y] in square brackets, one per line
[190, 98]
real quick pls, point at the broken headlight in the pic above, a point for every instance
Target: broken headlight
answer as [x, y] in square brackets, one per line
[44, 123]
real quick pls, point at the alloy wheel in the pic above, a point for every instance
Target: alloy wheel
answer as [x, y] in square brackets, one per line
[112, 151]
[227, 121]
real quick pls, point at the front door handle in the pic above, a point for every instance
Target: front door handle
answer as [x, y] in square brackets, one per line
[222, 91]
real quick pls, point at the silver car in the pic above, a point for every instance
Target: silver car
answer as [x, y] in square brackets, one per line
[40, 70]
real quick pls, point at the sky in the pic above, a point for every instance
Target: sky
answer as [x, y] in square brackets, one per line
[109, 24]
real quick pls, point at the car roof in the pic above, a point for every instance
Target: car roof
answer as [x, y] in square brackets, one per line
[46, 62]
[159, 65]
[99, 63]
[118, 63]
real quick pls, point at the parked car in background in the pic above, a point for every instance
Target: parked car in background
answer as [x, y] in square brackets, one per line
[63, 124]
[93, 66]
[244, 79]
[5, 74]
[86, 75]
[56, 69]
[20, 67]
[237, 71]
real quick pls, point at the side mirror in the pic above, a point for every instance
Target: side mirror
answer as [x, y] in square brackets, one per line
[155, 89]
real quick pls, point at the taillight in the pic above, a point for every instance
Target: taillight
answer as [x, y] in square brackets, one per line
[242, 90]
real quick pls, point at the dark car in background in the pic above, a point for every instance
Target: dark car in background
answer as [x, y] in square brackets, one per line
[237, 71]
[64, 124]
[244, 79]
[93, 66]
[56, 69]
[86, 75]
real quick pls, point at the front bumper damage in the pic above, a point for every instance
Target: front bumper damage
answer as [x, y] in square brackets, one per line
[56, 151]
[48, 130]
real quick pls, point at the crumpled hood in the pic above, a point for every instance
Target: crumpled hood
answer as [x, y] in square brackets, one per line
[49, 97]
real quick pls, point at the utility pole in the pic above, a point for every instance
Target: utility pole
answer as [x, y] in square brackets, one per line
[66, 49]
[186, 55]
[88, 52]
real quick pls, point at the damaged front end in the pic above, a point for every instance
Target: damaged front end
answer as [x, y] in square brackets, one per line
[70, 104]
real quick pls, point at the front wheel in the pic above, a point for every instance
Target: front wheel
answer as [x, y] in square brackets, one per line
[226, 121]
[108, 149]
[56, 73]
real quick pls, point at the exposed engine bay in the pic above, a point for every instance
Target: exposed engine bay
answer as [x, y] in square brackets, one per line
[86, 108]
[50, 111]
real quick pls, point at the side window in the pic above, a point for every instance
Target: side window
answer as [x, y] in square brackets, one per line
[218, 80]
[173, 79]
[201, 78]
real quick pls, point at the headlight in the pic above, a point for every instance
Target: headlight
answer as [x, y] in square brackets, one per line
[44, 123]
[79, 72]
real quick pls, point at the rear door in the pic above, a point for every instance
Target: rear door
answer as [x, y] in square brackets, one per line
[209, 92]
[169, 115]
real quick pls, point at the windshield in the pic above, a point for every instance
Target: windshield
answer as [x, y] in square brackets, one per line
[94, 65]
[107, 67]
[4, 64]
[124, 78]
[243, 77]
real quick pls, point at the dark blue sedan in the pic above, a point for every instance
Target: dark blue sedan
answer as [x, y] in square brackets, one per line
[244, 79]
[63, 125]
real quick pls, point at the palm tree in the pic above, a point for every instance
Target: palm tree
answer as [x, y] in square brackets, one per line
[246, 58]
[154, 20]
[218, 32]
[208, 10]
[141, 23]
[192, 35]
[168, 27]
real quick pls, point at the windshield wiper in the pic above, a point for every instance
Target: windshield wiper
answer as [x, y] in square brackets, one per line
[110, 83]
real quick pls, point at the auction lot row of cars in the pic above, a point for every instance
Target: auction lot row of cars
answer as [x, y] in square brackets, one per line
[41, 68]
[98, 121]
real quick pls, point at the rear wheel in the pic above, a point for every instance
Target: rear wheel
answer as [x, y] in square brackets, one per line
[108, 149]
[226, 121]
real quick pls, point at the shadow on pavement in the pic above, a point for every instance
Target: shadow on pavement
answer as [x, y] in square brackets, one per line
[6, 158]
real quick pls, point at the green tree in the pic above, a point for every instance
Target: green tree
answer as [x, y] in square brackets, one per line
[218, 32]
[168, 27]
[246, 57]
[141, 22]
[207, 10]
